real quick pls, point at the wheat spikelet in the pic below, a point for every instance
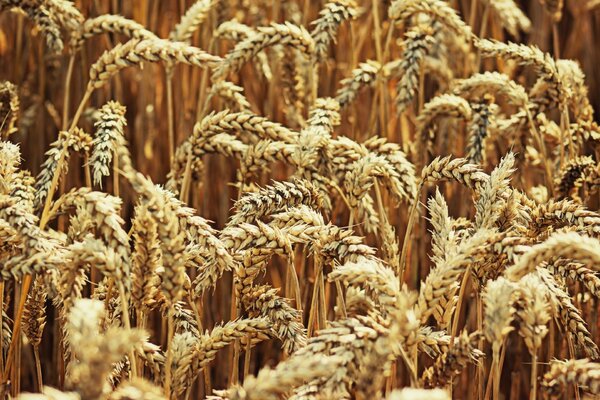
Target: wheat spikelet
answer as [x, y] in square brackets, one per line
[171, 238]
[152, 356]
[532, 56]
[109, 131]
[458, 169]
[135, 51]
[533, 312]
[87, 253]
[379, 280]
[286, 321]
[9, 163]
[72, 278]
[107, 23]
[358, 342]
[14, 182]
[104, 211]
[451, 363]
[67, 142]
[433, 343]
[41, 15]
[364, 75]
[145, 260]
[9, 109]
[582, 372]
[490, 202]
[568, 245]
[483, 121]
[273, 383]
[510, 15]
[203, 239]
[210, 343]
[272, 199]
[573, 77]
[401, 11]
[231, 94]
[23, 189]
[191, 20]
[66, 14]
[576, 272]
[40, 251]
[571, 174]
[34, 314]
[569, 316]
[437, 293]
[182, 347]
[236, 31]
[333, 14]
[443, 236]
[442, 106]
[563, 213]
[244, 125]
[110, 347]
[498, 299]
[418, 42]
[276, 34]
[491, 82]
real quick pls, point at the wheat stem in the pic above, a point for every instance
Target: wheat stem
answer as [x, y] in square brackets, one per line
[67, 97]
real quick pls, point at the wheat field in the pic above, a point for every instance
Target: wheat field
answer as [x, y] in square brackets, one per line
[296, 199]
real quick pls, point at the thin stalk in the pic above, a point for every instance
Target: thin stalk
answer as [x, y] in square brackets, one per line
[184, 191]
[170, 117]
[86, 171]
[388, 41]
[414, 380]
[169, 361]
[542, 145]
[480, 366]
[296, 284]
[315, 295]
[379, 53]
[247, 358]
[38, 368]
[196, 309]
[67, 97]
[200, 112]
[482, 30]
[16, 335]
[322, 300]
[127, 324]
[59, 166]
[473, 13]
[383, 220]
[555, 41]
[116, 190]
[236, 310]
[533, 391]
[409, 226]
[572, 354]
[340, 299]
[84, 100]
[461, 296]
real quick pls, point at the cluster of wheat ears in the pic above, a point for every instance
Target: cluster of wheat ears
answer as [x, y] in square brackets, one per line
[403, 202]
